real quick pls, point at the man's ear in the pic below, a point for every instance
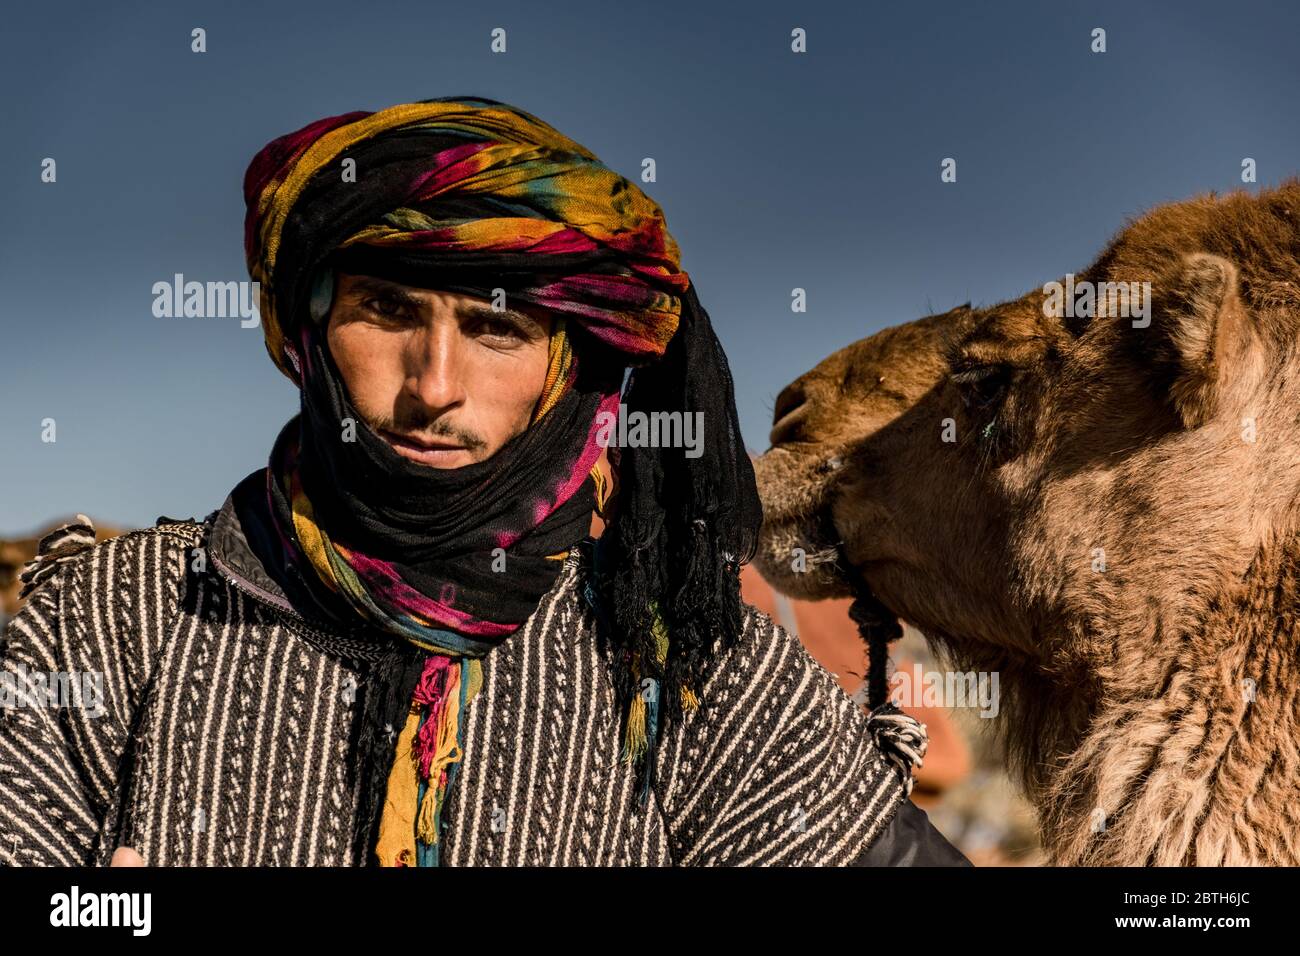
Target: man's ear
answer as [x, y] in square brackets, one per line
[1204, 342]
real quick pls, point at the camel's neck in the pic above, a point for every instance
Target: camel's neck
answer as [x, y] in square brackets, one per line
[1183, 749]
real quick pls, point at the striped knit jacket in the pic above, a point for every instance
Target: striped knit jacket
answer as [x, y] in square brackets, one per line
[226, 730]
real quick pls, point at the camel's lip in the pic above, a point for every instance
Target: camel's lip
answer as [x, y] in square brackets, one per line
[815, 532]
[810, 524]
[821, 535]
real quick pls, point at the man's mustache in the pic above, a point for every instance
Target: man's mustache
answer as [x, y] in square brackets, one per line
[423, 427]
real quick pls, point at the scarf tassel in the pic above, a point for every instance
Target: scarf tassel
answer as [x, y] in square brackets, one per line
[436, 746]
[643, 712]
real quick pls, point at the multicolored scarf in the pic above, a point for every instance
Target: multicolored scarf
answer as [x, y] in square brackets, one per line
[478, 580]
[469, 195]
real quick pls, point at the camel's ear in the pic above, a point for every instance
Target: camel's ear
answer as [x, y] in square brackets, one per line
[1203, 337]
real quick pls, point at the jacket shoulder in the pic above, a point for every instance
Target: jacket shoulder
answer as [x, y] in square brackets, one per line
[73, 547]
[118, 592]
[94, 618]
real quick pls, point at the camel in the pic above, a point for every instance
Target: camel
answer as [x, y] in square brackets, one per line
[1100, 504]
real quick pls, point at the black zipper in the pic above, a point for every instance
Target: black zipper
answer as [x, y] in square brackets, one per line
[295, 621]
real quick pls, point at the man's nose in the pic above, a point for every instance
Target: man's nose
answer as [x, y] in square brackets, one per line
[435, 366]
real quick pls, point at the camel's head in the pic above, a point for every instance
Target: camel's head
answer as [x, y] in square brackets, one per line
[1029, 478]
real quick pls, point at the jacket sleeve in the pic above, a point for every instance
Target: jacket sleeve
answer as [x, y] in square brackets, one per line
[88, 633]
[911, 839]
[777, 766]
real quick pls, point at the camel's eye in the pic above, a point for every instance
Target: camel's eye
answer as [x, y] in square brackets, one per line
[982, 386]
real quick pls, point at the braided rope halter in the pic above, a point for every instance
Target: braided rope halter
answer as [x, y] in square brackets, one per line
[899, 736]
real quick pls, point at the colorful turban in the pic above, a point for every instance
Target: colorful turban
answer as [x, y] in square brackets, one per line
[470, 195]
[447, 183]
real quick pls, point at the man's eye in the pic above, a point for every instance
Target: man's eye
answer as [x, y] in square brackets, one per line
[388, 308]
[983, 386]
[499, 327]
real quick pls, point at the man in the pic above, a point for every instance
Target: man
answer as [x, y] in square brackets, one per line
[398, 643]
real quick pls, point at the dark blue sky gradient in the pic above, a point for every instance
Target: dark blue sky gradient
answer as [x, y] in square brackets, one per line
[775, 170]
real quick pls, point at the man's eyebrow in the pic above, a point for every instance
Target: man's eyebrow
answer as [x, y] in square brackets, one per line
[477, 310]
[368, 285]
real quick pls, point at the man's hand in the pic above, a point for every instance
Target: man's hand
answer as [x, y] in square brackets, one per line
[125, 856]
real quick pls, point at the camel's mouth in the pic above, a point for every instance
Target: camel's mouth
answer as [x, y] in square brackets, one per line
[826, 545]
[800, 549]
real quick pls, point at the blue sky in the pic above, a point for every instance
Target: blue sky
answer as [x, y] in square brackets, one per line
[775, 171]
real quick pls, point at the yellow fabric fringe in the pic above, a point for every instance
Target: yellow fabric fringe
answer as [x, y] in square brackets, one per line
[401, 822]
[396, 846]
[636, 739]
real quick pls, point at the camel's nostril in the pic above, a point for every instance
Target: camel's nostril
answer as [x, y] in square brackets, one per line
[784, 419]
[788, 427]
[791, 397]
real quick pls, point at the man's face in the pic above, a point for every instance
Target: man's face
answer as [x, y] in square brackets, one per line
[443, 378]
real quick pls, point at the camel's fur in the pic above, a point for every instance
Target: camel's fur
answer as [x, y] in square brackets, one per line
[1101, 532]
